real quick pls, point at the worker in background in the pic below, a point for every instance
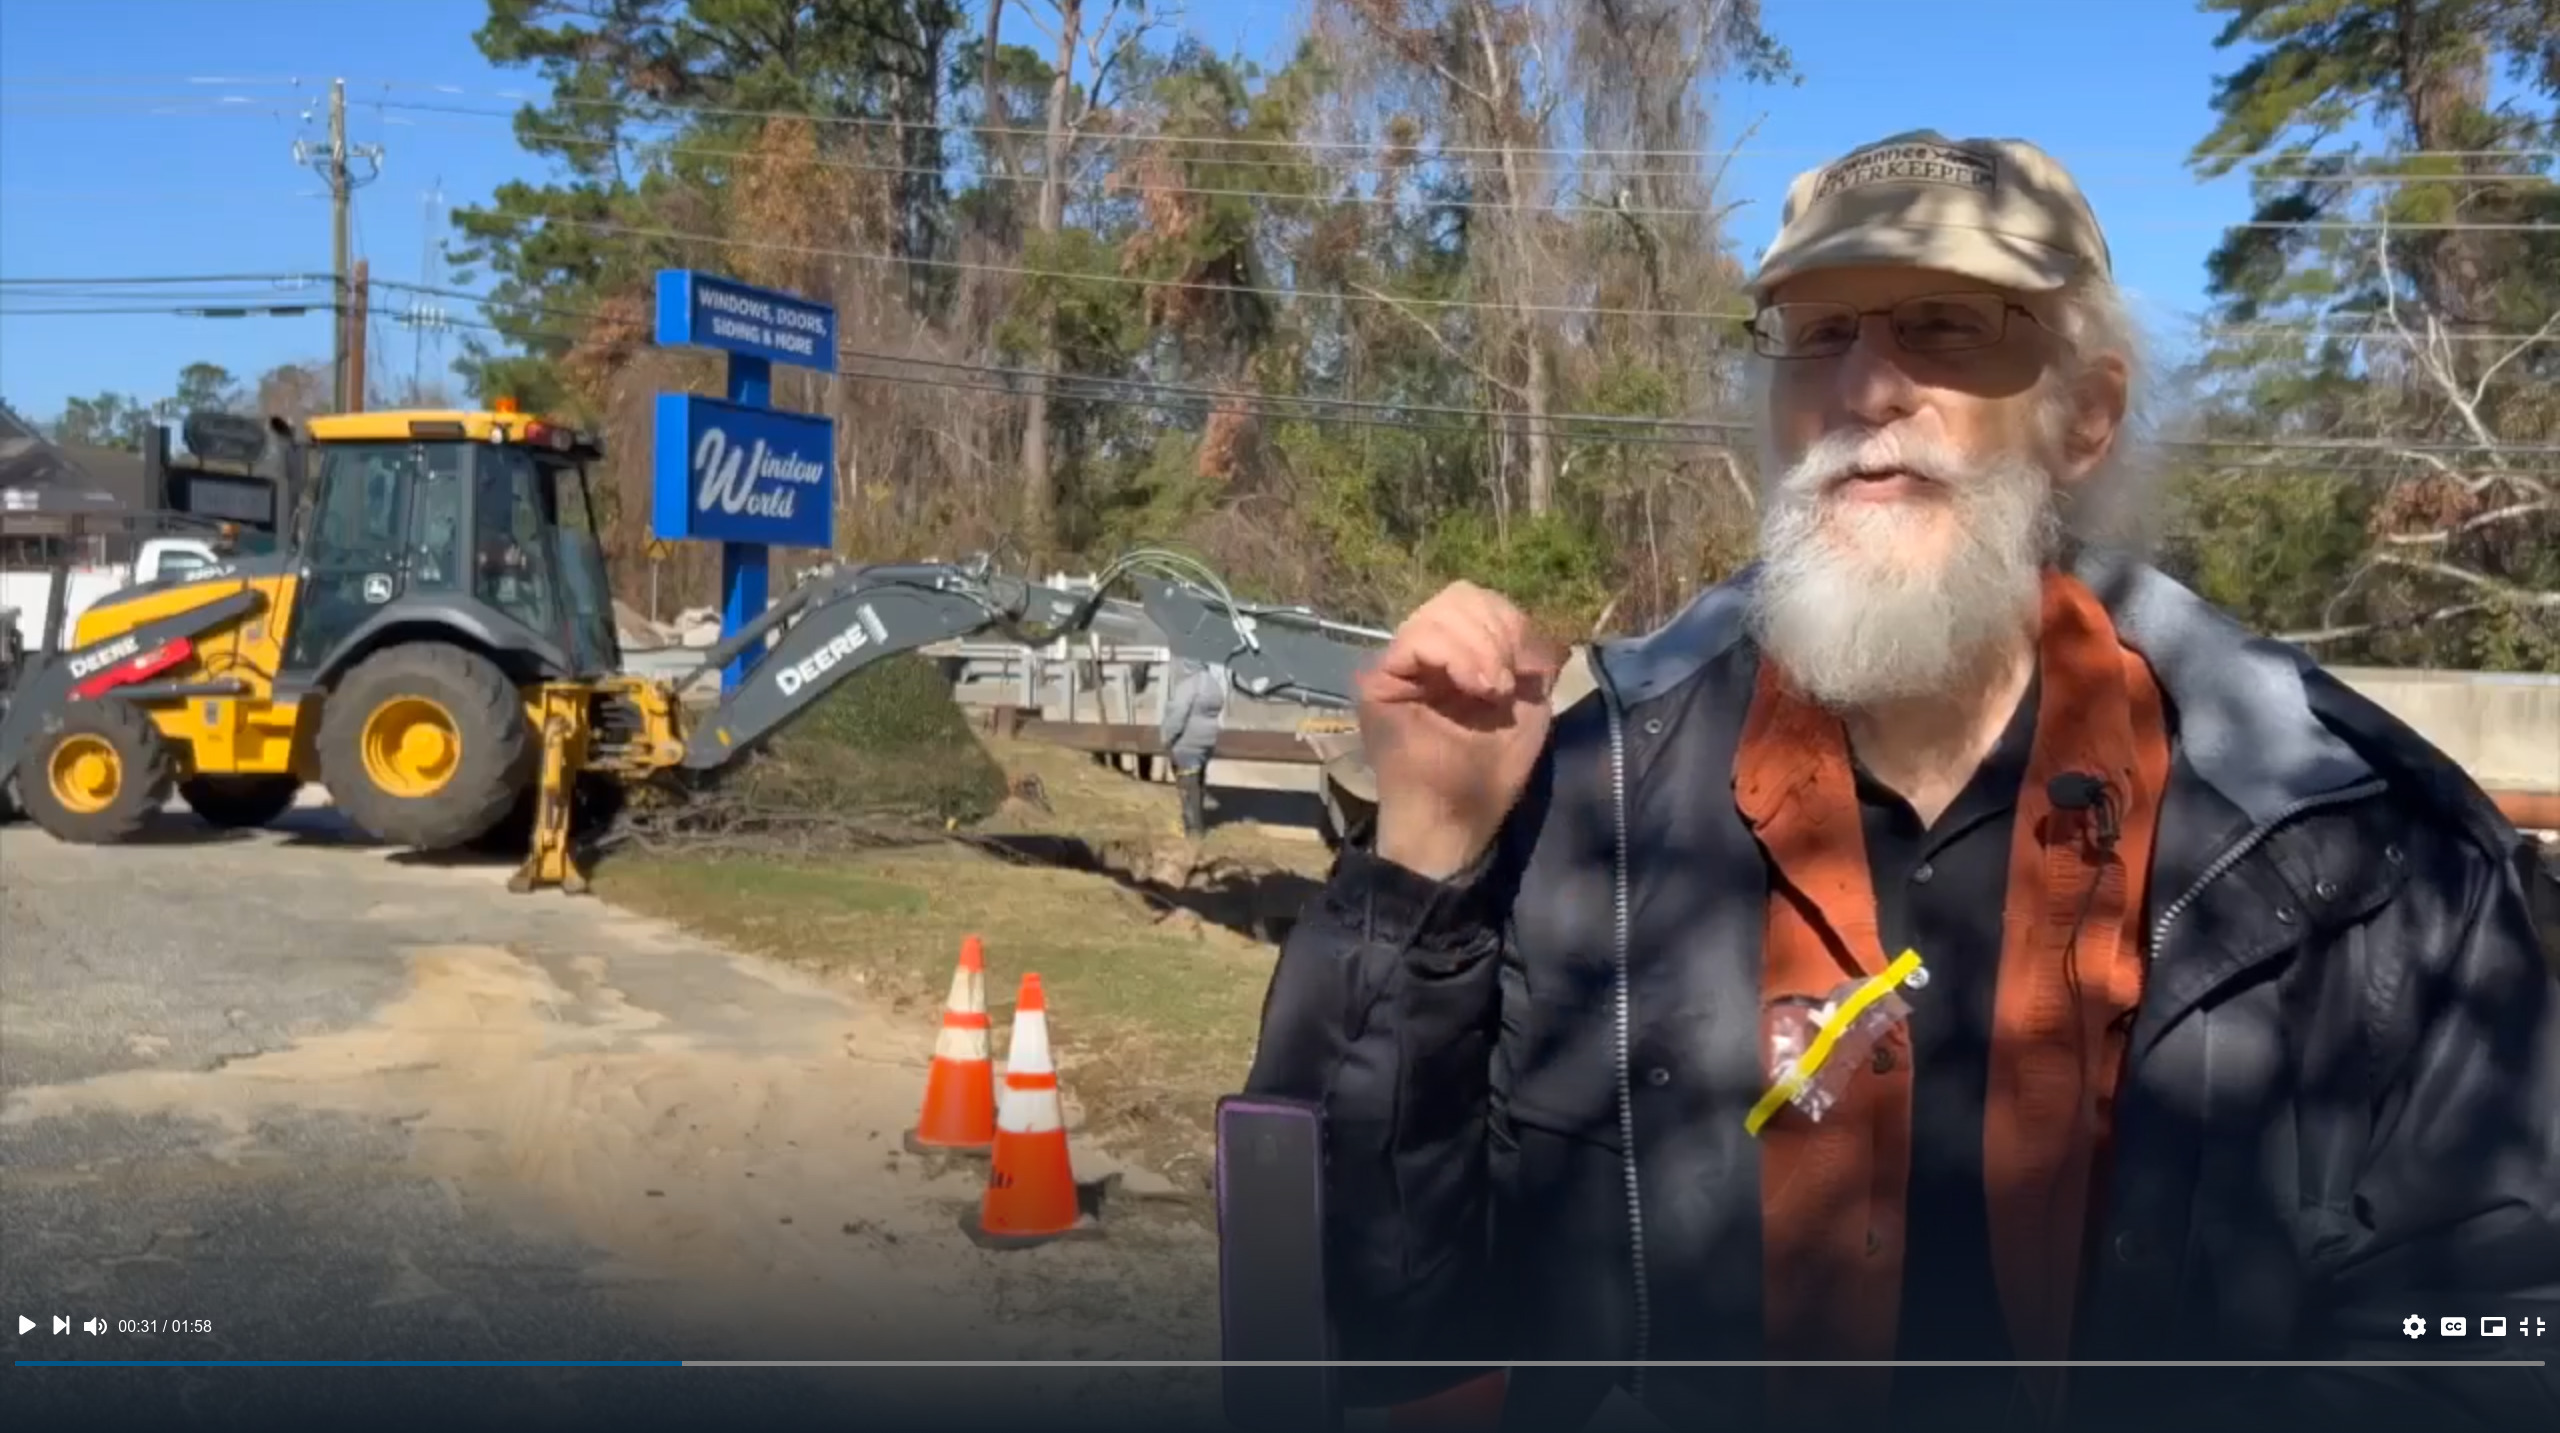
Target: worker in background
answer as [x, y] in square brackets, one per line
[2228, 1038]
[1195, 705]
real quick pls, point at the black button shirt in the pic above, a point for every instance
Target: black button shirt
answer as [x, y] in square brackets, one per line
[1942, 891]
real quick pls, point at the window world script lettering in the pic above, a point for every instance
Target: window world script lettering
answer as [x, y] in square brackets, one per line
[780, 327]
[727, 477]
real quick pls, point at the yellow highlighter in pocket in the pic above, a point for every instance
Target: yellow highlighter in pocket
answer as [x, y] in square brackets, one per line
[1814, 1048]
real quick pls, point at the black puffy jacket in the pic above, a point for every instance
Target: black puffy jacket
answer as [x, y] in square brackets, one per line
[2341, 1104]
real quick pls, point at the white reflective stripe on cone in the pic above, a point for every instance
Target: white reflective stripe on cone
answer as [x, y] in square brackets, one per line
[968, 991]
[1030, 1052]
[1030, 1112]
[961, 1043]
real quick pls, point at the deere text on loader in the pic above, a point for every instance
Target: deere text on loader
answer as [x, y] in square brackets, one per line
[434, 643]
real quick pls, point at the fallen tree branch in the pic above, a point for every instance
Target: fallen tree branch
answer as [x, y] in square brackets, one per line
[2513, 512]
[2500, 593]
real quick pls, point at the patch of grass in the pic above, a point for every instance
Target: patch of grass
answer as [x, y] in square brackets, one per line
[804, 889]
[889, 741]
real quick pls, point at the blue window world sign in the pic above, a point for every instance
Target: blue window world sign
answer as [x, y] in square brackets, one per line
[734, 474]
[709, 312]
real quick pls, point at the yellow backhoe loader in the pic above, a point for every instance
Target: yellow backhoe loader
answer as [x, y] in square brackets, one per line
[431, 638]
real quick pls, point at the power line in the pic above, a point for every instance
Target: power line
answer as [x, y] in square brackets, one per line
[2347, 456]
[661, 112]
[1132, 280]
[194, 197]
[181, 311]
[699, 151]
[1711, 316]
[1558, 207]
[2306, 332]
[667, 114]
[1710, 433]
[2377, 446]
[981, 176]
[681, 236]
[176, 107]
[126, 280]
[31, 82]
[671, 113]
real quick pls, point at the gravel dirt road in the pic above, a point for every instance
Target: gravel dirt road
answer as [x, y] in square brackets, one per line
[347, 1107]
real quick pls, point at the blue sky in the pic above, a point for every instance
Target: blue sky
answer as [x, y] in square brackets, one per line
[114, 164]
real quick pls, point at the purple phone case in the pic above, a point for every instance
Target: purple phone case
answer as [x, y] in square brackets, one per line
[1266, 1397]
[1234, 1105]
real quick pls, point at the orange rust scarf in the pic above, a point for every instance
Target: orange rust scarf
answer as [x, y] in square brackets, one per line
[1832, 1192]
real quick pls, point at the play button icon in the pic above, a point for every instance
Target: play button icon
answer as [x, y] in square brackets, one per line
[25, 1324]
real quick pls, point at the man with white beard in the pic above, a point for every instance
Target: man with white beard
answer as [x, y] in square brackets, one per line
[1949, 940]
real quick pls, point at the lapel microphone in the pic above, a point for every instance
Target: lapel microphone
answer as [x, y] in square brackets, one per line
[2086, 791]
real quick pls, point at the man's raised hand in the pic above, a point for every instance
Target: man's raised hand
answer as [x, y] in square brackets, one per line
[1453, 715]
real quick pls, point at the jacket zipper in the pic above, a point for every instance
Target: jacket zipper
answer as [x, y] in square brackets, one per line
[1623, 1016]
[2221, 866]
[2249, 841]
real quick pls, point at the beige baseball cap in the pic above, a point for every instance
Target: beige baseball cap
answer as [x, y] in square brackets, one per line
[1998, 210]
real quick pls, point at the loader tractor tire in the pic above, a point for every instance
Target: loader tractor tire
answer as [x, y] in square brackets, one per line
[240, 803]
[426, 746]
[100, 778]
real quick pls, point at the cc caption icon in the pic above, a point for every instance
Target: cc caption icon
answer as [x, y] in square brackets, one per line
[2414, 1326]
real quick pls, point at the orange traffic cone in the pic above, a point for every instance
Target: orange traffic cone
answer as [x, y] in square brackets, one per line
[1031, 1187]
[959, 1115]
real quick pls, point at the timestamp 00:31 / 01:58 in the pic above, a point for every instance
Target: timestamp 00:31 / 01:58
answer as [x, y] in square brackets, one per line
[164, 1326]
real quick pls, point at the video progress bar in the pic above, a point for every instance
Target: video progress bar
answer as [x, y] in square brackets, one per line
[1213, 1363]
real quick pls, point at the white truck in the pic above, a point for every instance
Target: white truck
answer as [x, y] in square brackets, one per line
[23, 595]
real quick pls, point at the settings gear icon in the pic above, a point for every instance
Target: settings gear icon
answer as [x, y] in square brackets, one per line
[2414, 1326]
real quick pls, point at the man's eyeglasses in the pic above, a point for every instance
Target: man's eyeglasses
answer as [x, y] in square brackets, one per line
[1928, 323]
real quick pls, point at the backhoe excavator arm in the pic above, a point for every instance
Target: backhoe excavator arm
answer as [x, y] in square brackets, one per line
[1276, 653]
[849, 620]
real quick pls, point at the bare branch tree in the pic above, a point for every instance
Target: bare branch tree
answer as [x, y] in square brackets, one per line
[2452, 525]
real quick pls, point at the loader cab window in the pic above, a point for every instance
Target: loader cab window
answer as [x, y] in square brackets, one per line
[437, 561]
[512, 568]
[380, 524]
[535, 553]
[586, 590]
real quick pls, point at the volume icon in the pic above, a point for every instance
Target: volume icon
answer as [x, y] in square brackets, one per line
[94, 1326]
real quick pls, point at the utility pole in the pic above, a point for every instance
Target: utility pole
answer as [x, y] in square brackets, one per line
[359, 322]
[341, 212]
[336, 164]
[428, 278]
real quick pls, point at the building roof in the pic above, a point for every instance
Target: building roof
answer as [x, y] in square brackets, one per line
[36, 476]
[118, 472]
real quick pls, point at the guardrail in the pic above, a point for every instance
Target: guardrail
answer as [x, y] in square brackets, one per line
[1100, 696]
